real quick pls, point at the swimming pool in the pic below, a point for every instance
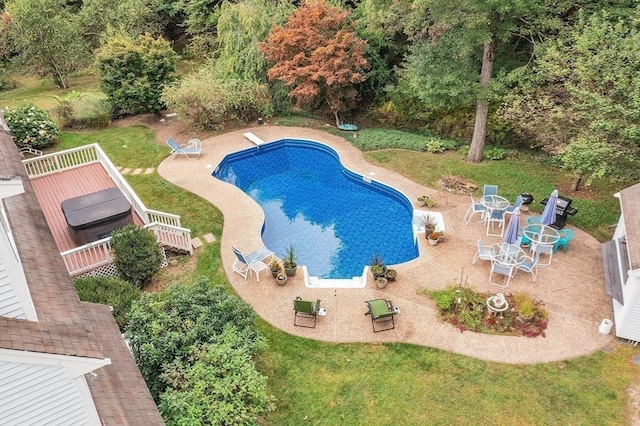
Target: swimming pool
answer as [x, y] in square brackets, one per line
[336, 219]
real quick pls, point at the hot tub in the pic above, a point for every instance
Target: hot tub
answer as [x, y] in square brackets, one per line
[94, 216]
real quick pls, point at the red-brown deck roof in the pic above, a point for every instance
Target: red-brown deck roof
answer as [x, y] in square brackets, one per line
[53, 189]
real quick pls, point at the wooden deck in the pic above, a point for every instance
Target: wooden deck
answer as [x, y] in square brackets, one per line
[53, 189]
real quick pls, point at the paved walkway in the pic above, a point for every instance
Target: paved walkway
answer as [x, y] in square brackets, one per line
[572, 288]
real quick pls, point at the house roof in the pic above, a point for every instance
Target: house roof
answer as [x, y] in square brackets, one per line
[630, 206]
[66, 325]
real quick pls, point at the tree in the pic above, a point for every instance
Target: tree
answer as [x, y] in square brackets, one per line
[455, 68]
[167, 326]
[133, 73]
[132, 17]
[580, 97]
[47, 38]
[137, 254]
[318, 55]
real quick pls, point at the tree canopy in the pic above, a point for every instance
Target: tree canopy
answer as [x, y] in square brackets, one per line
[318, 54]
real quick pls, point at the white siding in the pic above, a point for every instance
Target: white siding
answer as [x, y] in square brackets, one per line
[629, 327]
[10, 306]
[39, 394]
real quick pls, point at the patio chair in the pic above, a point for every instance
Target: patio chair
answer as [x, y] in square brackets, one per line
[490, 190]
[254, 261]
[495, 218]
[500, 268]
[475, 207]
[305, 309]
[566, 235]
[483, 252]
[382, 311]
[516, 205]
[529, 264]
[543, 249]
[191, 150]
[533, 220]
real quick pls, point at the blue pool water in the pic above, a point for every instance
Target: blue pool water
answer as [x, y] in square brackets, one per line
[335, 219]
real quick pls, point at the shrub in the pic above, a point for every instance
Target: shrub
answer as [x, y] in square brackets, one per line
[114, 292]
[435, 146]
[206, 101]
[169, 325]
[31, 126]
[221, 387]
[137, 254]
[75, 111]
[134, 72]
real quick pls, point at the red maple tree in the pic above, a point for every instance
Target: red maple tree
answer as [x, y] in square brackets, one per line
[318, 55]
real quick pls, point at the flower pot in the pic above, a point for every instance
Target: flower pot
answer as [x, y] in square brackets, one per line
[381, 274]
[381, 282]
[391, 275]
[281, 279]
[605, 326]
[432, 242]
[291, 271]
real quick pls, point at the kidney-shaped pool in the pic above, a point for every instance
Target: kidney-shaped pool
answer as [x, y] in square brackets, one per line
[336, 219]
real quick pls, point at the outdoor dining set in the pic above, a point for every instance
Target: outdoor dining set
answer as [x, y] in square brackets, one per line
[509, 256]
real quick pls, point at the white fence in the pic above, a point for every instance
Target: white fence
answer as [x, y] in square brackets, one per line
[166, 226]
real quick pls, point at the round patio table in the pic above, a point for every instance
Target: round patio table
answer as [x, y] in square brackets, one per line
[508, 254]
[541, 234]
[494, 202]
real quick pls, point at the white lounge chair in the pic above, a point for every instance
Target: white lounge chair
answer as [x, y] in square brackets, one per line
[254, 261]
[191, 151]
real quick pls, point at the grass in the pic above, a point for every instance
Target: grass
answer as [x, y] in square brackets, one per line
[351, 384]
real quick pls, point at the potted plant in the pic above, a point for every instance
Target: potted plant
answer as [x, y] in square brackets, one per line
[381, 282]
[429, 223]
[275, 267]
[433, 238]
[289, 261]
[391, 274]
[377, 266]
[425, 201]
[281, 278]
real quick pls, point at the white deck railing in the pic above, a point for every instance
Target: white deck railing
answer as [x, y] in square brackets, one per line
[88, 257]
[82, 259]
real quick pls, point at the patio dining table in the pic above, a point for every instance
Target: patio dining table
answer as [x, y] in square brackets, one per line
[541, 234]
[494, 202]
[507, 254]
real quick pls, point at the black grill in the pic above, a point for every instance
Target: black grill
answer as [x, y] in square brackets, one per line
[563, 209]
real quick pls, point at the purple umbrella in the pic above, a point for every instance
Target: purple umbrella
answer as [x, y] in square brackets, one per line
[549, 213]
[511, 234]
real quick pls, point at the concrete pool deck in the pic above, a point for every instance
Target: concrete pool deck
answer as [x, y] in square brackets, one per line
[572, 288]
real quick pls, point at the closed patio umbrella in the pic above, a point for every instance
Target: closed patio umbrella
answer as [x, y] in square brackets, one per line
[549, 213]
[511, 234]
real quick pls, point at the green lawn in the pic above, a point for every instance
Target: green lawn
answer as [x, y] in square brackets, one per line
[387, 384]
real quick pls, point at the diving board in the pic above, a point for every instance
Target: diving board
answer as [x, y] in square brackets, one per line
[253, 138]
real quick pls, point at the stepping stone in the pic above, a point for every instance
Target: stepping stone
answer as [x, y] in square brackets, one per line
[209, 238]
[196, 242]
[125, 171]
[137, 171]
[149, 170]
[119, 168]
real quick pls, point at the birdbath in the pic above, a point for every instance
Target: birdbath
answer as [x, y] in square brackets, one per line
[497, 303]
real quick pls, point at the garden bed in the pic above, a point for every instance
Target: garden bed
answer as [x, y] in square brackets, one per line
[467, 310]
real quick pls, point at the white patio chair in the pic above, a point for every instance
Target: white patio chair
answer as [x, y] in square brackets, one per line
[483, 252]
[529, 264]
[516, 205]
[539, 249]
[494, 218]
[192, 150]
[475, 207]
[490, 190]
[254, 261]
[504, 269]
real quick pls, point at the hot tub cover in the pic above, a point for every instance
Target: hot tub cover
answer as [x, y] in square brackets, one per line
[95, 208]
